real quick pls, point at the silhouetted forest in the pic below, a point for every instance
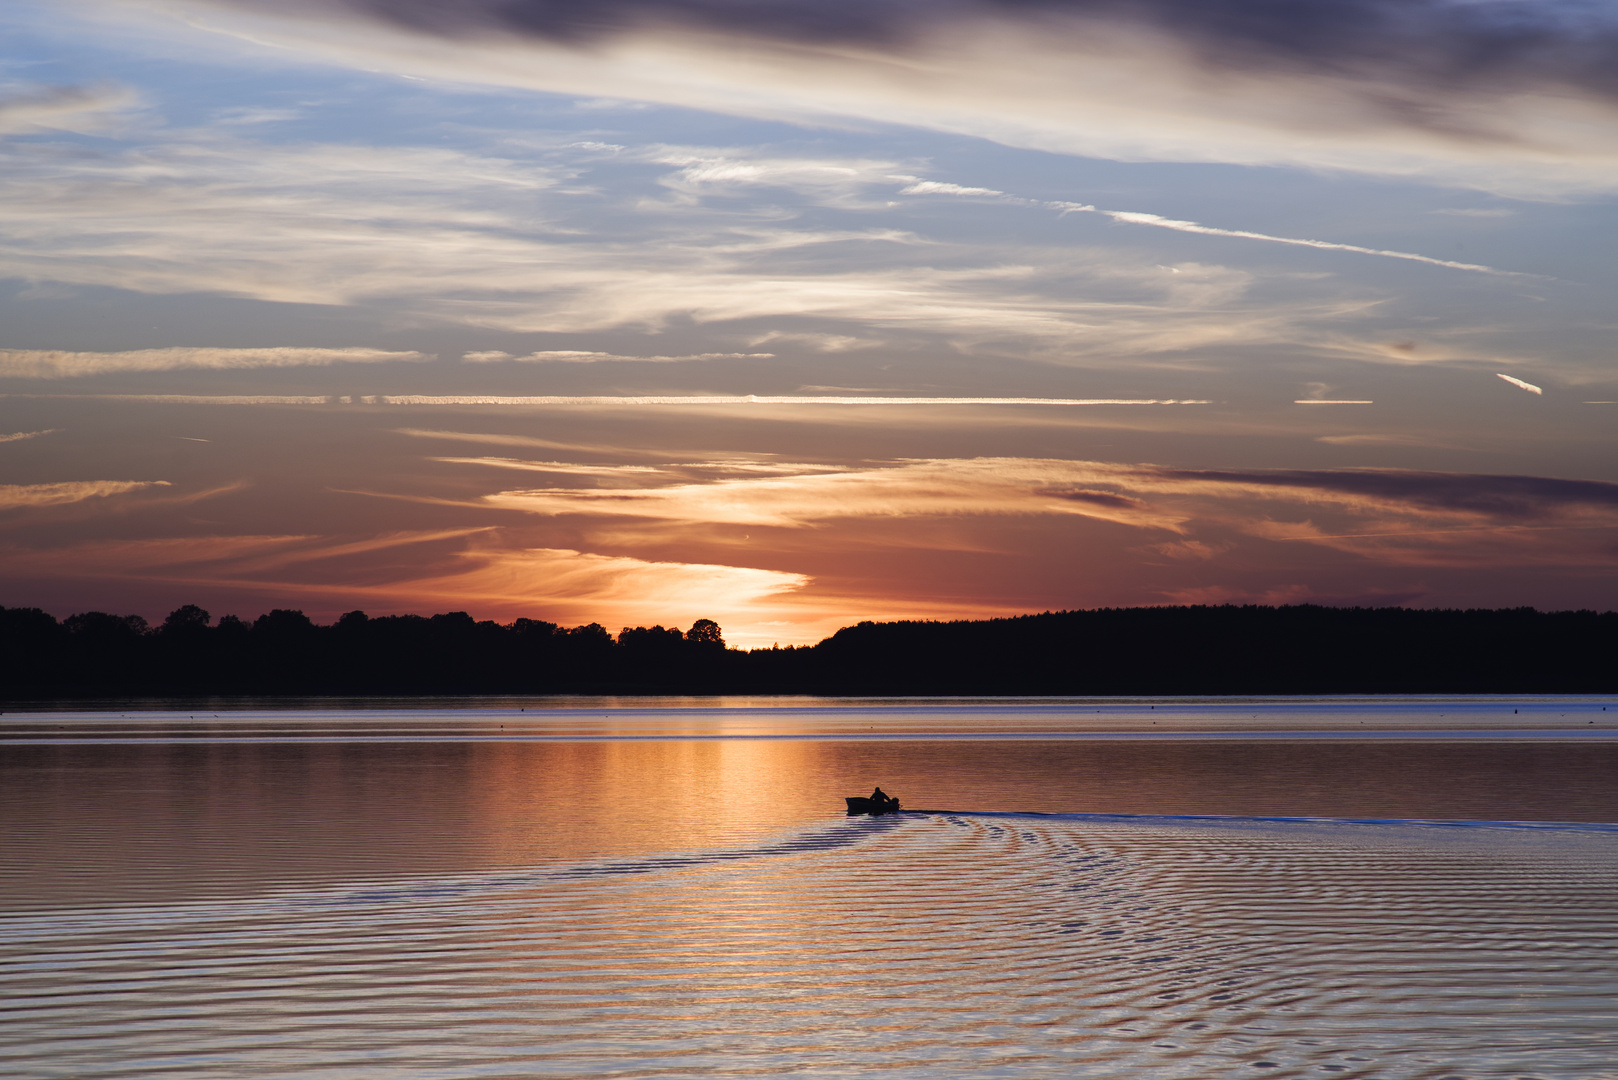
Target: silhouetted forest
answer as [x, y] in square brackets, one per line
[1157, 650]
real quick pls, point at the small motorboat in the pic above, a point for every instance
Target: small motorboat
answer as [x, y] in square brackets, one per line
[878, 802]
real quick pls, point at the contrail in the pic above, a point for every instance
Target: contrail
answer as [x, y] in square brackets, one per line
[1528, 386]
[1158, 221]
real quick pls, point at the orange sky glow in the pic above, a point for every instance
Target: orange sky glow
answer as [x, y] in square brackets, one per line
[328, 306]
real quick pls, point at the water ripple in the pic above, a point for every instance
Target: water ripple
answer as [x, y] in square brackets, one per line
[964, 944]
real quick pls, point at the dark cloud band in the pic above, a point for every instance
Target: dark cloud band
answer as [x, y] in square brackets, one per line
[1513, 498]
[1517, 98]
[1501, 45]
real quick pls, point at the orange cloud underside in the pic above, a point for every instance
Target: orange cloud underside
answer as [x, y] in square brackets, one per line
[788, 552]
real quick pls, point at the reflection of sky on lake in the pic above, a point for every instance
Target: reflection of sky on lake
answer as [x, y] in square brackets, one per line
[158, 802]
[1490, 716]
[386, 894]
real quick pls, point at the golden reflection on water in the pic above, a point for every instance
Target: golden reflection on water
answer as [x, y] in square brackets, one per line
[509, 910]
[564, 801]
[90, 823]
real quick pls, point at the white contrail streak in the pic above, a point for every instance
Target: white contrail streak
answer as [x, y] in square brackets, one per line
[1133, 218]
[1158, 221]
[1528, 386]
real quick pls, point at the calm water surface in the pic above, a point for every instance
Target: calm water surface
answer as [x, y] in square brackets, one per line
[1414, 888]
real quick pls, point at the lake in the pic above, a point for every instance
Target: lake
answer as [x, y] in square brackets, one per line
[1419, 888]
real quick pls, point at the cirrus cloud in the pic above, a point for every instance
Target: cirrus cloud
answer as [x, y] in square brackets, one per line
[583, 356]
[1499, 95]
[1392, 516]
[19, 436]
[57, 364]
[31, 109]
[21, 496]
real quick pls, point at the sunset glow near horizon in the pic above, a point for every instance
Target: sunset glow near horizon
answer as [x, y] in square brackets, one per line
[791, 315]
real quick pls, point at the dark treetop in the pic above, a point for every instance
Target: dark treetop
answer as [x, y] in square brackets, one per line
[1157, 650]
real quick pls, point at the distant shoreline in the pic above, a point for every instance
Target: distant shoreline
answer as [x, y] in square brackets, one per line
[1104, 653]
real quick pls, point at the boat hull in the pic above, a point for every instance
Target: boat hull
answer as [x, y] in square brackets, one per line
[858, 805]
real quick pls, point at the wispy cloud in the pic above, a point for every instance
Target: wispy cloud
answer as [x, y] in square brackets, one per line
[496, 438]
[19, 496]
[283, 555]
[249, 115]
[611, 401]
[62, 108]
[825, 343]
[940, 187]
[192, 399]
[829, 181]
[18, 436]
[223, 215]
[581, 356]
[270, 562]
[1392, 516]
[473, 239]
[1456, 92]
[981, 486]
[624, 400]
[517, 245]
[55, 364]
[1386, 439]
[559, 468]
[715, 467]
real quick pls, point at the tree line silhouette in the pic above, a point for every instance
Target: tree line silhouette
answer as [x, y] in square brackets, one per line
[1296, 649]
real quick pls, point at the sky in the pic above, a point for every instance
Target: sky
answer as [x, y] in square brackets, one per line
[791, 314]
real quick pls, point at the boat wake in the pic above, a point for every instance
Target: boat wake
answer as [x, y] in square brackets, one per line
[1234, 820]
[917, 944]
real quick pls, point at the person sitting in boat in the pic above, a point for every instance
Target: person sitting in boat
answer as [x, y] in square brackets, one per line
[882, 798]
